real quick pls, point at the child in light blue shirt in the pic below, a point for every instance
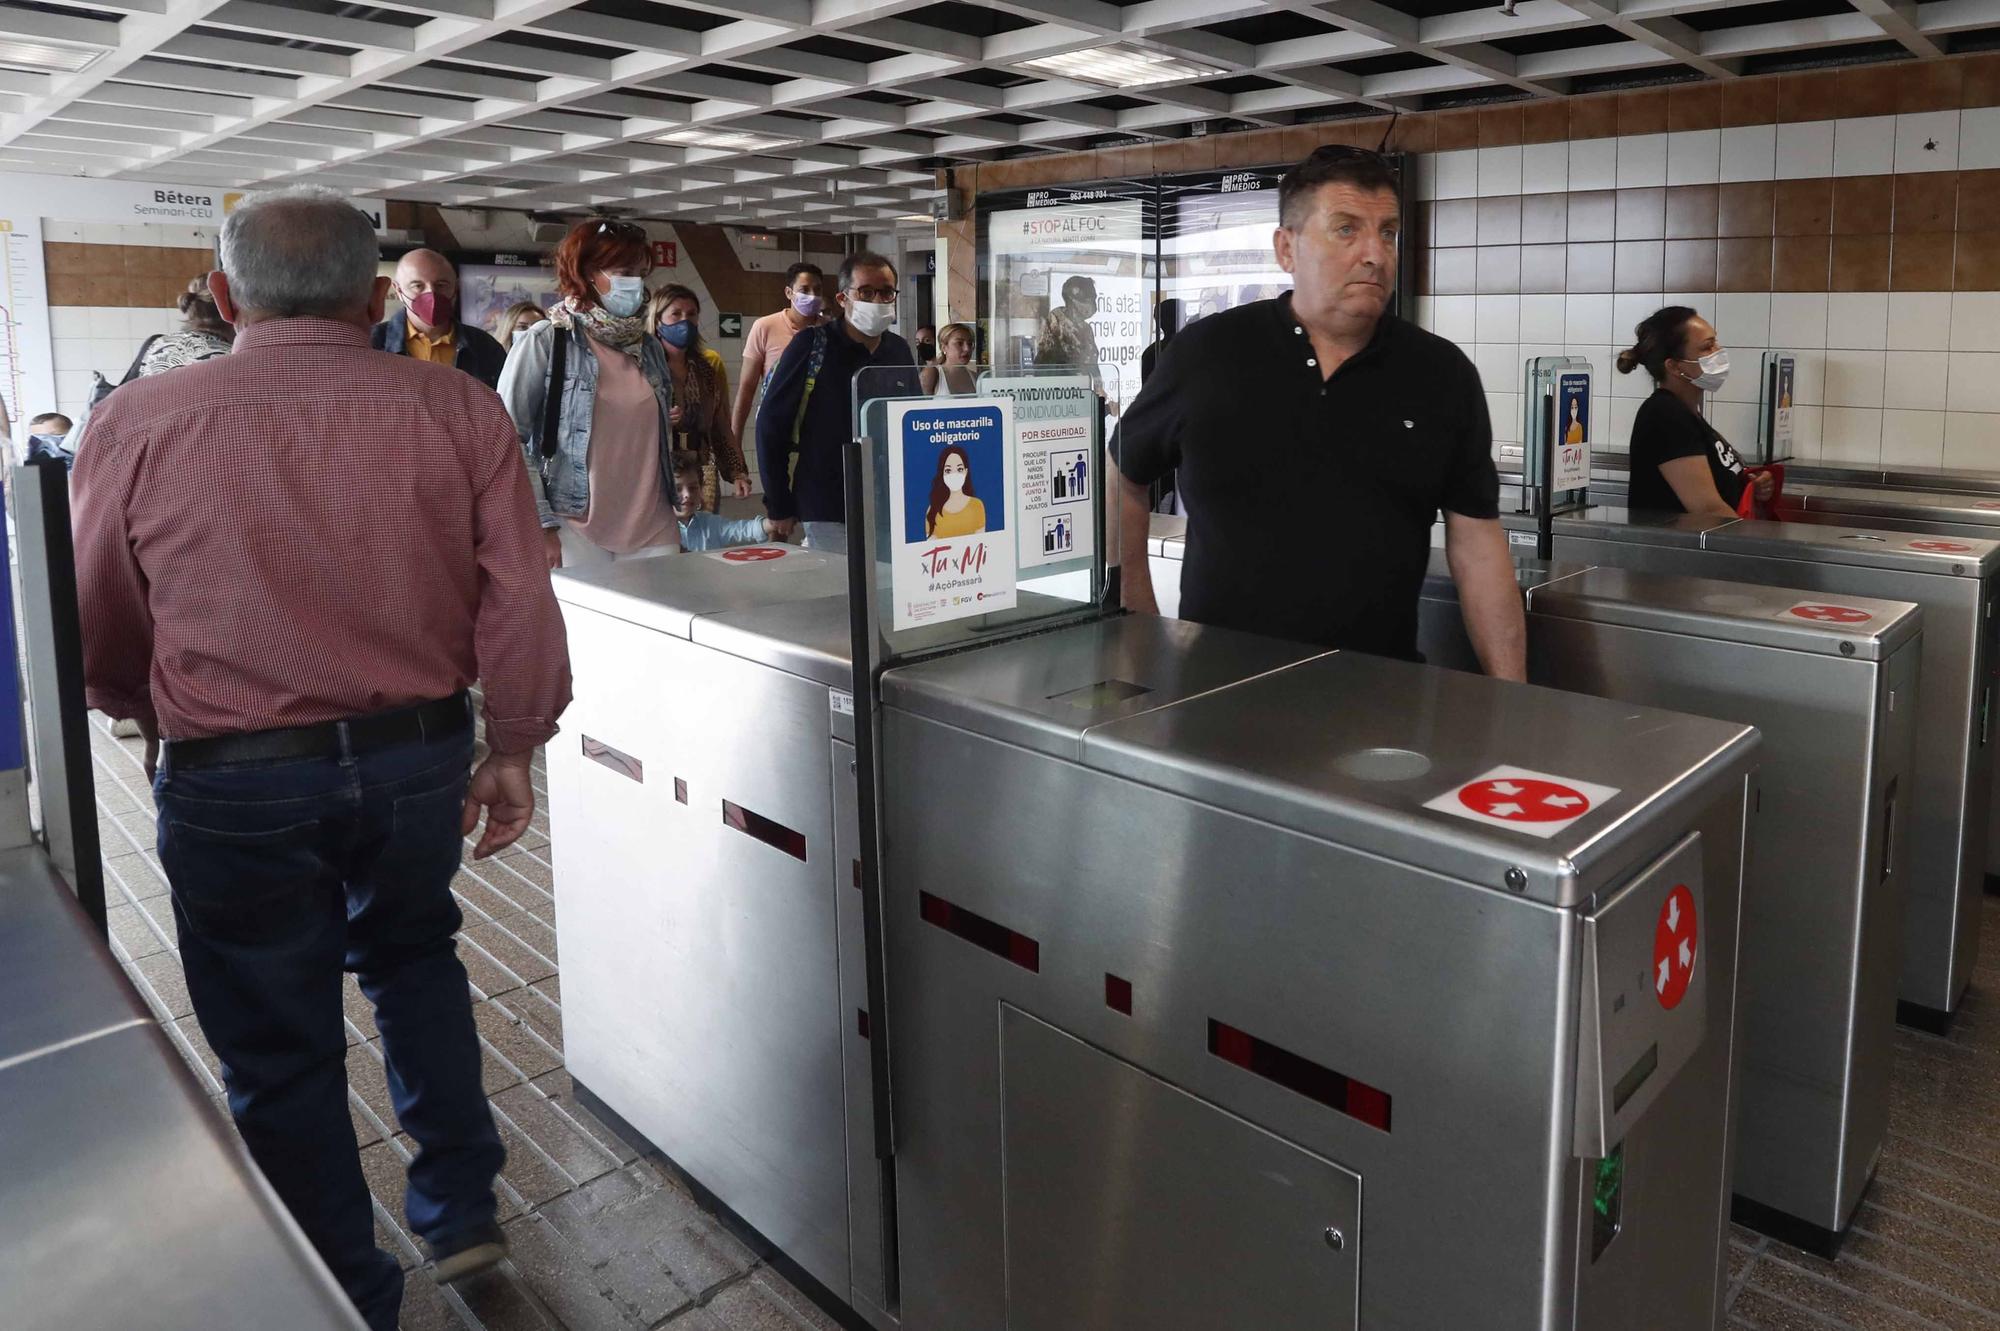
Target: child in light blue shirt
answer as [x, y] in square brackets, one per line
[701, 529]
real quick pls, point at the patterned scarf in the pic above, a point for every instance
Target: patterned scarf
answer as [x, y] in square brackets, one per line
[626, 334]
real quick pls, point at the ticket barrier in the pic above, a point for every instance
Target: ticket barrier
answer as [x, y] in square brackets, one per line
[1950, 792]
[702, 796]
[1939, 514]
[1173, 970]
[1833, 690]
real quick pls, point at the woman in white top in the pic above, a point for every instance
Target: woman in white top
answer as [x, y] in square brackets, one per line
[951, 374]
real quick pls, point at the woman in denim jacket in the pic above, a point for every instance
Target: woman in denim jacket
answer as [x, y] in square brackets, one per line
[604, 482]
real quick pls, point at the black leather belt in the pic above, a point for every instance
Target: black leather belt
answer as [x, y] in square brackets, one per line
[405, 725]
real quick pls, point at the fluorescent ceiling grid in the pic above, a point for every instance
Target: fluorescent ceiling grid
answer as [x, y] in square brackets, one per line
[567, 105]
[1120, 67]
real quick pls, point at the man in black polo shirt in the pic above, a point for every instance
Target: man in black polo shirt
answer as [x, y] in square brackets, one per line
[1316, 437]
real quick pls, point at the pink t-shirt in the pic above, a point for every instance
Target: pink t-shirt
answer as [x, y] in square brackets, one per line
[769, 337]
[628, 501]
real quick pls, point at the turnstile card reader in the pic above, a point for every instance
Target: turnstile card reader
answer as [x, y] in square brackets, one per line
[1265, 1007]
[1832, 684]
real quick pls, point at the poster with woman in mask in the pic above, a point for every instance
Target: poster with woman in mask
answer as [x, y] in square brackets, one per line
[951, 504]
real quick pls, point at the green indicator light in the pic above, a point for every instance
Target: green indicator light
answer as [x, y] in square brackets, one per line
[1610, 1178]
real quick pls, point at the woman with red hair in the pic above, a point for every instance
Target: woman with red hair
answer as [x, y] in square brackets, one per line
[591, 397]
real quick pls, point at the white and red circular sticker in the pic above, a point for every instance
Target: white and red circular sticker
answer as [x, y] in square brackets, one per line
[753, 554]
[1988, 504]
[1941, 547]
[1675, 939]
[1828, 612]
[1537, 803]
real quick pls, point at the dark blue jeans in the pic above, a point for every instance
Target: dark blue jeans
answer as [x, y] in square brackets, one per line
[283, 875]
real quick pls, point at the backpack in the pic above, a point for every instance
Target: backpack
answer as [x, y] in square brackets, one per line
[101, 388]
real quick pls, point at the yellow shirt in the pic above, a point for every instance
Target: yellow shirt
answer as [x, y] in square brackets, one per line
[968, 521]
[441, 349]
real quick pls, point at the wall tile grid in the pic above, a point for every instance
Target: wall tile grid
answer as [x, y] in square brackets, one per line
[111, 286]
[1868, 245]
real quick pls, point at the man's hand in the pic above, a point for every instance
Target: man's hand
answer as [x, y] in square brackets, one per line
[501, 786]
[783, 526]
[1766, 485]
[150, 732]
[742, 484]
[552, 546]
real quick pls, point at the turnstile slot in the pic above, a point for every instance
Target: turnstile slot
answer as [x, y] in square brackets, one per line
[981, 932]
[767, 830]
[1101, 694]
[1644, 997]
[1131, 1203]
[1888, 831]
[622, 763]
[1337, 1091]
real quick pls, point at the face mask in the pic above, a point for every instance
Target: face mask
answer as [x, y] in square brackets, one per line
[1714, 371]
[51, 442]
[954, 481]
[806, 304]
[433, 310]
[870, 319]
[627, 294]
[678, 335]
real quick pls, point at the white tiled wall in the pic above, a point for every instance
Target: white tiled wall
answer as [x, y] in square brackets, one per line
[1901, 378]
[88, 338]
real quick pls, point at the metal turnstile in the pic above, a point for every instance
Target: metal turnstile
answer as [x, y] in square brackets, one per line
[1174, 972]
[1832, 686]
[1951, 787]
[702, 804]
[1972, 514]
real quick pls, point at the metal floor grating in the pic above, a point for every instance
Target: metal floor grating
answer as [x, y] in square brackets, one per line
[606, 1240]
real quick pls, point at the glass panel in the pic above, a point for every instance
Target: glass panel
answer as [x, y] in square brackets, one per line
[1068, 279]
[1215, 245]
[966, 498]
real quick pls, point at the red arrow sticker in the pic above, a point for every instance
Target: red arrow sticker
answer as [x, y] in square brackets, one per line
[752, 554]
[1822, 612]
[1524, 801]
[1675, 939]
[1537, 803]
[1941, 547]
[1988, 504]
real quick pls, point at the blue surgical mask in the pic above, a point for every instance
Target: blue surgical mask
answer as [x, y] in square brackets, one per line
[626, 296]
[678, 335]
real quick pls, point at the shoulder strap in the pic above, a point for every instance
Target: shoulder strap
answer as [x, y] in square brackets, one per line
[552, 399]
[132, 371]
[815, 361]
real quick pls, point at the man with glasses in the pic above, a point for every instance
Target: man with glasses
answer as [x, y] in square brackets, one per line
[427, 327]
[1315, 439]
[808, 408]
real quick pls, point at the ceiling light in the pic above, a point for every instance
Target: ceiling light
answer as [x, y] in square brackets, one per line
[731, 140]
[1120, 66]
[22, 53]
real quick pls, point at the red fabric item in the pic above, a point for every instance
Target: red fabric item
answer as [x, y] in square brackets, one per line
[1750, 506]
[306, 530]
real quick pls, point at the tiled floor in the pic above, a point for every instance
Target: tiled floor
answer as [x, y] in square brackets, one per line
[603, 1239]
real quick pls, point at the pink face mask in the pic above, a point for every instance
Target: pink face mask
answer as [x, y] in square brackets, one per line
[433, 310]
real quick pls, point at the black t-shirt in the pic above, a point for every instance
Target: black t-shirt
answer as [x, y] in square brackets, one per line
[1667, 428]
[1310, 501]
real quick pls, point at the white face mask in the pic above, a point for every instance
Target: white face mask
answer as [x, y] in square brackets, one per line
[625, 297]
[1714, 372]
[870, 319]
[954, 479]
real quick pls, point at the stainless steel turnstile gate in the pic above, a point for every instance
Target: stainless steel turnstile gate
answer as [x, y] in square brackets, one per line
[1953, 580]
[1832, 686]
[1353, 994]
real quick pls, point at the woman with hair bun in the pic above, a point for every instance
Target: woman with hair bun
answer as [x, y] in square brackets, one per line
[1681, 463]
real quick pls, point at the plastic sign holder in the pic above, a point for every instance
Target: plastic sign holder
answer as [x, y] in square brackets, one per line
[1775, 415]
[1558, 425]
